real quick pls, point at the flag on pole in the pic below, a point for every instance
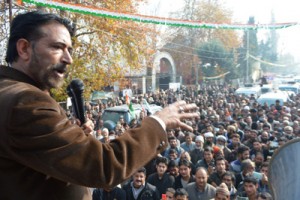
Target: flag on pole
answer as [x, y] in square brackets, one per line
[127, 100]
[130, 106]
[131, 110]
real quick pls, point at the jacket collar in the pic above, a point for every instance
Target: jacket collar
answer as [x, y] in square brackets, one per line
[14, 74]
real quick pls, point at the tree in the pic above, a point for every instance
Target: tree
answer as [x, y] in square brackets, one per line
[182, 43]
[216, 59]
[105, 49]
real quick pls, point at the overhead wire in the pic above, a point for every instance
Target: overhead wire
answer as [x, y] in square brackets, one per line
[241, 55]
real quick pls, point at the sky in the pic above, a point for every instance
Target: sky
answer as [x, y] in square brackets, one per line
[284, 11]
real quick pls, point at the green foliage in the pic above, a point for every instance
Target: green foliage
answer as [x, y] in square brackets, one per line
[216, 59]
[183, 42]
[104, 49]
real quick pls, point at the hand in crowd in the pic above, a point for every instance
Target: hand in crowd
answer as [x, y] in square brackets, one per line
[264, 179]
[174, 114]
[88, 127]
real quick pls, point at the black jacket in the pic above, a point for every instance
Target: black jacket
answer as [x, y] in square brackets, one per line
[148, 193]
[115, 193]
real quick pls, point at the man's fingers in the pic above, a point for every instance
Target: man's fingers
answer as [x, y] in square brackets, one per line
[183, 107]
[184, 126]
[188, 115]
[189, 107]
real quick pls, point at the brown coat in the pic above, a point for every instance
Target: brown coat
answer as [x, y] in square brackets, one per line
[44, 156]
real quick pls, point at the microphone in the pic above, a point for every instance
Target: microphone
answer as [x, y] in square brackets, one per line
[75, 90]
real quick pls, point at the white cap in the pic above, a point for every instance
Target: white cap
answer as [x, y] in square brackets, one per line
[222, 138]
[199, 138]
[246, 108]
[208, 134]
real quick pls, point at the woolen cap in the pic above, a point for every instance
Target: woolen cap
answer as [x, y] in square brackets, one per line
[208, 134]
[221, 138]
[199, 138]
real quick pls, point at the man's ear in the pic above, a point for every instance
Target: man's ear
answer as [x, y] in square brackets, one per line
[23, 49]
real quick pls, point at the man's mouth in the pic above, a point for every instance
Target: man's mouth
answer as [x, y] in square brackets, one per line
[60, 71]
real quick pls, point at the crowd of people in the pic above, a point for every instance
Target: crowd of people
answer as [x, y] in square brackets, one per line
[231, 144]
[212, 145]
[43, 154]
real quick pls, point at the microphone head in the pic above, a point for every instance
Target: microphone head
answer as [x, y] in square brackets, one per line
[76, 85]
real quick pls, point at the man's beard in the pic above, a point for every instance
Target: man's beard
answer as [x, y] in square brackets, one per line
[46, 77]
[220, 146]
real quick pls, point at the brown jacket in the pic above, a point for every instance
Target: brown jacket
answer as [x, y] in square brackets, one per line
[44, 156]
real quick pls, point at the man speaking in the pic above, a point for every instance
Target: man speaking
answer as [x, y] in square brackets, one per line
[42, 154]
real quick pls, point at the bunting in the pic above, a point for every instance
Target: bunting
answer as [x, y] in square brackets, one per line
[215, 77]
[101, 12]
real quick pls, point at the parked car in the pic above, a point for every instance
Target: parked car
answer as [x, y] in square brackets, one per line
[151, 108]
[271, 97]
[112, 115]
[248, 91]
[294, 87]
[266, 88]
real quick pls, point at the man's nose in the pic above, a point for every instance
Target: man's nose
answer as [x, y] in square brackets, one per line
[67, 58]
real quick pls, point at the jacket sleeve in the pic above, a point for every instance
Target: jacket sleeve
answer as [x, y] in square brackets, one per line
[40, 137]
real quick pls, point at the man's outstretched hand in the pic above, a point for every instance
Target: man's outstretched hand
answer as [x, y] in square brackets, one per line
[173, 115]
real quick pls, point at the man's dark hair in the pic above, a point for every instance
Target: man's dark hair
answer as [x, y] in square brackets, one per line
[163, 160]
[246, 164]
[264, 195]
[266, 126]
[142, 170]
[189, 134]
[172, 138]
[209, 149]
[264, 164]
[255, 140]
[242, 149]
[228, 173]
[172, 151]
[185, 163]
[235, 135]
[27, 26]
[181, 192]
[172, 163]
[250, 179]
[220, 158]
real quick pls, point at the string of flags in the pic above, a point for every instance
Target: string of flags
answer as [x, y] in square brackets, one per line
[101, 12]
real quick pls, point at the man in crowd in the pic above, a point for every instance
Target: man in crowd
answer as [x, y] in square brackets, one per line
[173, 168]
[200, 189]
[250, 188]
[185, 176]
[243, 153]
[161, 179]
[109, 194]
[197, 153]
[173, 142]
[215, 179]
[170, 193]
[221, 143]
[139, 189]
[188, 145]
[43, 154]
[222, 192]
[229, 179]
[208, 159]
[181, 194]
